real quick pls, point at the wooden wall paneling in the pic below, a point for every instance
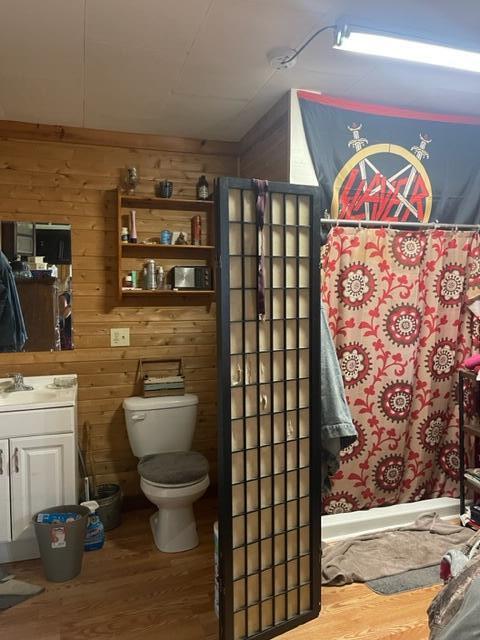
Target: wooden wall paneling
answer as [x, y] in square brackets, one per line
[68, 175]
[264, 151]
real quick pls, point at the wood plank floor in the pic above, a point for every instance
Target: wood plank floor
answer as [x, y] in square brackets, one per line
[130, 591]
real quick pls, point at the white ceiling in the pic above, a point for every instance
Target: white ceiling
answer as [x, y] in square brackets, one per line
[198, 67]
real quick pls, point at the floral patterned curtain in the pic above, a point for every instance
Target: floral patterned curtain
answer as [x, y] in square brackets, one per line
[396, 306]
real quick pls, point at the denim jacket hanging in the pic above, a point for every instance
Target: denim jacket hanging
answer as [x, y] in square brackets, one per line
[13, 334]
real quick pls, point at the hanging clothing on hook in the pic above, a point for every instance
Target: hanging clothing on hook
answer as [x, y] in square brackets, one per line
[13, 334]
[261, 194]
[337, 429]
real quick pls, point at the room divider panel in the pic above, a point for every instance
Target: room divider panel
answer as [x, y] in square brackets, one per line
[268, 315]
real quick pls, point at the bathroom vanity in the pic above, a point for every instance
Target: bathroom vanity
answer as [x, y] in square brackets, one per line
[38, 462]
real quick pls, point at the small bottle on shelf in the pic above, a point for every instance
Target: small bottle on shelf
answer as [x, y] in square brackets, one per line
[127, 282]
[124, 235]
[160, 278]
[133, 227]
[202, 188]
[196, 230]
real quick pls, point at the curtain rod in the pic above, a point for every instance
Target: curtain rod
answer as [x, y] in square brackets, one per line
[402, 225]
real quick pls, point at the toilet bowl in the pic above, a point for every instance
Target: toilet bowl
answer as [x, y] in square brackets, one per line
[173, 525]
[160, 432]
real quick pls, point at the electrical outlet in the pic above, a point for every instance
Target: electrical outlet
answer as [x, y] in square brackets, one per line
[119, 337]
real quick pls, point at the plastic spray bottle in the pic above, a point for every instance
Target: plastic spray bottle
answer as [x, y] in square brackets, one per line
[95, 535]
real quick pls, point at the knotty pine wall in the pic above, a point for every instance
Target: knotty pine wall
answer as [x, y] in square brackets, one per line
[264, 152]
[59, 174]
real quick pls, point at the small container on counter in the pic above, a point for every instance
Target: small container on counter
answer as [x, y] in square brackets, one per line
[196, 230]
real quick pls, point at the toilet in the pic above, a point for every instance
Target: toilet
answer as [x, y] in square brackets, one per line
[160, 432]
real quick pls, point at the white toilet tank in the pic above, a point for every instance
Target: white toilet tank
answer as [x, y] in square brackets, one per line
[155, 425]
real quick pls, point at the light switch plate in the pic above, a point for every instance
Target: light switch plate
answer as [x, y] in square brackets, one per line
[120, 337]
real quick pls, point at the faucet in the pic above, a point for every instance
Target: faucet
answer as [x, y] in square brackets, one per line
[18, 384]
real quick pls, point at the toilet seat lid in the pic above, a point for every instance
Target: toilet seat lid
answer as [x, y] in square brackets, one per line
[173, 467]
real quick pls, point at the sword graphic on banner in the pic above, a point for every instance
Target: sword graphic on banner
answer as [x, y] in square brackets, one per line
[357, 143]
[420, 153]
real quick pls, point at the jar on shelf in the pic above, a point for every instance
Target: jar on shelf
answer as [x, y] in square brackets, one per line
[127, 282]
[149, 276]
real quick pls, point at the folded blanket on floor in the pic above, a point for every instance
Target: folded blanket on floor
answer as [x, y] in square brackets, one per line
[387, 553]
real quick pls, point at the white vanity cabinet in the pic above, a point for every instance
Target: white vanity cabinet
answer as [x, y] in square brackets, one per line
[37, 467]
[5, 521]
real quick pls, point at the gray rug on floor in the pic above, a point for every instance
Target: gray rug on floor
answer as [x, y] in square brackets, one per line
[406, 581]
[13, 591]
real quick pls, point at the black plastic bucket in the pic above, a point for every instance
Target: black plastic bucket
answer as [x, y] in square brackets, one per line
[109, 498]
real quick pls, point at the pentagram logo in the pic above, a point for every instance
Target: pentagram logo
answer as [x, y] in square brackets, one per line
[383, 182]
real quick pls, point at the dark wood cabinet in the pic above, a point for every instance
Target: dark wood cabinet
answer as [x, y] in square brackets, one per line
[39, 302]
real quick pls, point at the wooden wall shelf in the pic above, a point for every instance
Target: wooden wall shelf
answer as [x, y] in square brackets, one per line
[167, 204]
[186, 254]
[184, 251]
[138, 293]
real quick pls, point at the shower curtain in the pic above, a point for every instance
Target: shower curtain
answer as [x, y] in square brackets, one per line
[397, 309]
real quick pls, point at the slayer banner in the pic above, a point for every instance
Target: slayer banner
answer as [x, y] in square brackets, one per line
[396, 165]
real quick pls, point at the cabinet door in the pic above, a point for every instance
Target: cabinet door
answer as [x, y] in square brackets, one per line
[42, 473]
[5, 530]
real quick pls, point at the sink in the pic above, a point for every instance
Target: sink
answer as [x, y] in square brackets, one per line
[27, 397]
[44, 394]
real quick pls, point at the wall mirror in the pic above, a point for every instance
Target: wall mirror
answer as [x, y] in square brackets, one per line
[36, 293]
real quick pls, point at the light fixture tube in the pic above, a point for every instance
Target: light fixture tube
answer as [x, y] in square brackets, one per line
[392, 46]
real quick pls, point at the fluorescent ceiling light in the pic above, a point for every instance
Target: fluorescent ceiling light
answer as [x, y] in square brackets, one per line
[392, 46]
